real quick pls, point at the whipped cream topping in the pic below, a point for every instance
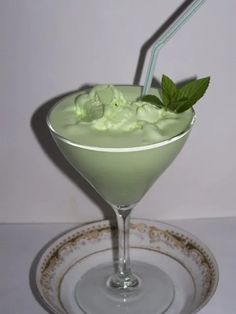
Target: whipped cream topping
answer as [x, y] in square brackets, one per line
[111, 116]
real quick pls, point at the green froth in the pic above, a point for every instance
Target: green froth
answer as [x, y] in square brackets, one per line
[108, 116]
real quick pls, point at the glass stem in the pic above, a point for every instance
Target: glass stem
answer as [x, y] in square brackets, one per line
[123, 278]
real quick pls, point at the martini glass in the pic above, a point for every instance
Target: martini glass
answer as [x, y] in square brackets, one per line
[122, 176]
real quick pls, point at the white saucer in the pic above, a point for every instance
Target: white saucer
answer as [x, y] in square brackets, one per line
[187, 261]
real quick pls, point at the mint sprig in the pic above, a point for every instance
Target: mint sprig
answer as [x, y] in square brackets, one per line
[154, 100]
[178, 99]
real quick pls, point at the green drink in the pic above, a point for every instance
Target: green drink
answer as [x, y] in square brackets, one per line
[122, 146]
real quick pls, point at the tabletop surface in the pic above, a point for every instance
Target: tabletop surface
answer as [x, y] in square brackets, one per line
[20, 243]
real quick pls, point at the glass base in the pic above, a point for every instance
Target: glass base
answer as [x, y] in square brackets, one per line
[153, 295]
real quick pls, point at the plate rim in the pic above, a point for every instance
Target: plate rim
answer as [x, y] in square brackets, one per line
[57, 243]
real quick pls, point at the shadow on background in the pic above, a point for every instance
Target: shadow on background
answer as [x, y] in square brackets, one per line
[44, 138]
[149, 43]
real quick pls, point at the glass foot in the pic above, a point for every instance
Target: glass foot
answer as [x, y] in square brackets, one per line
[153, 295]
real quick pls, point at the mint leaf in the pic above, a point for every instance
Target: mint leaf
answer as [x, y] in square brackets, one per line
[152, 99]
[182, 105]
[180, 99]
[169, 91]
[193, 91]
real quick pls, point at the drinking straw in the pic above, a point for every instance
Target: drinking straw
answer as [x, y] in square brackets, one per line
[168, 33]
